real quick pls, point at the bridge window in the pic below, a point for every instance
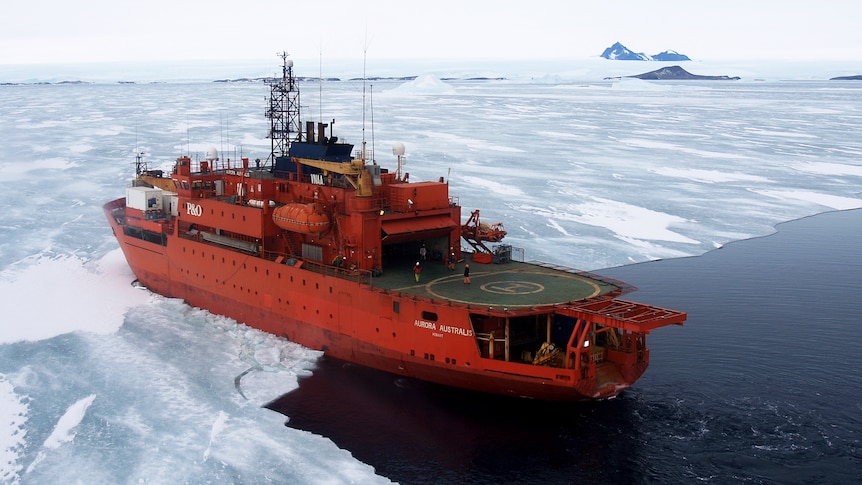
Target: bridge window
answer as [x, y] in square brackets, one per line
[430, 316]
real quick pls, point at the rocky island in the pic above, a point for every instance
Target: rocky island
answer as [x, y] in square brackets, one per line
[676, 73]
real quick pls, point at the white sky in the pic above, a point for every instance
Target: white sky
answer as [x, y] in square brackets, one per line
[48, 31]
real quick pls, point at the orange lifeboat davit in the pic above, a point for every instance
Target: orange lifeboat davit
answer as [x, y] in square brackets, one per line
[304, 218]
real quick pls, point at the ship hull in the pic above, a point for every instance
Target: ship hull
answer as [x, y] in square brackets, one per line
[346, 319]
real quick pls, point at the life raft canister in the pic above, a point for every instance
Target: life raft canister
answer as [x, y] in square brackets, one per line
[304, 218]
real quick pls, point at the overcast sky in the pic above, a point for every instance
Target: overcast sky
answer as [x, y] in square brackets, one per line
[48, 31]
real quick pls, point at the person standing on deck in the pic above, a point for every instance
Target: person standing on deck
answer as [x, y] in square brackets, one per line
[452, 262]
[467, 274]
[416, 270]
[423, 253]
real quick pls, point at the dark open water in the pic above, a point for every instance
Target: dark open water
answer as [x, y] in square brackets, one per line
[762, 385]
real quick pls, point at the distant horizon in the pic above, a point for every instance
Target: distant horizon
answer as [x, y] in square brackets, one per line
[584, 68]
[844, 55]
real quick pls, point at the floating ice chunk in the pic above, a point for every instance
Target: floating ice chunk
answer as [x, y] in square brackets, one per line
[64, 431]
[218, 427]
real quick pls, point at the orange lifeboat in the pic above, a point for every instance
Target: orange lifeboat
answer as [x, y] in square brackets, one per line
[304, 218]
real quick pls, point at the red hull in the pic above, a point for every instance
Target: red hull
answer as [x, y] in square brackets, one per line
[343, 318]
[348, 320]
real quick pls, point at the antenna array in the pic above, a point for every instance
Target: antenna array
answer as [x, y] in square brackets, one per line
[283, 110]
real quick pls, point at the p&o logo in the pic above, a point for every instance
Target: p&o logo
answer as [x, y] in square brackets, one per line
[194, 209]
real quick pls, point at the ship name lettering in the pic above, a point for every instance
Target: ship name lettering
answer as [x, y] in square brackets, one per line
[439, 331]
[456, 330]
[425, 324]
[194, 209]
[317, 179]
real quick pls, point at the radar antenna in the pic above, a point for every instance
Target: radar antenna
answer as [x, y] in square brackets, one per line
[140, 164]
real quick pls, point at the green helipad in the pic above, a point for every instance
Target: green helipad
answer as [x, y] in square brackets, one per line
[510, 285]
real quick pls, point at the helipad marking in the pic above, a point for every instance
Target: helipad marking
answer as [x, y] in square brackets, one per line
[507, 287]
[512, 287]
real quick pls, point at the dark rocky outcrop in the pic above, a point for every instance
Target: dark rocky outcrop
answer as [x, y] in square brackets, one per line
[676, 73]
[857, 77]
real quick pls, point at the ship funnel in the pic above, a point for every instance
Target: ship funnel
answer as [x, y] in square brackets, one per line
[212, 154]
